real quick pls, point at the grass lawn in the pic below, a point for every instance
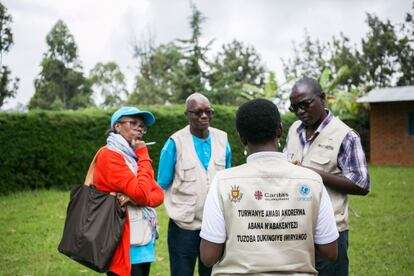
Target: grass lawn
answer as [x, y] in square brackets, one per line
[381, 240]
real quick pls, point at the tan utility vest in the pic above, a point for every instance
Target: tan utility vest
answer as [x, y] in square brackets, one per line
[322, 154]
[270, 209]
[184, 199]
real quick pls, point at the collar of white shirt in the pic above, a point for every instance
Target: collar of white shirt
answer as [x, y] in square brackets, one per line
[263, 154]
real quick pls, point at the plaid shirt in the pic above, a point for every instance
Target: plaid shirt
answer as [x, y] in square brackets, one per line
[351, 157]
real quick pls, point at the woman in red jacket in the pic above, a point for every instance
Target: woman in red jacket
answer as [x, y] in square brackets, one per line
[124, 167]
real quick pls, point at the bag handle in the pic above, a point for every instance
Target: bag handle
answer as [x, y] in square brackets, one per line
[89, 176]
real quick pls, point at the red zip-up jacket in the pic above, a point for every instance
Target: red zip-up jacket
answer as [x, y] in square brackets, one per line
[112, 174]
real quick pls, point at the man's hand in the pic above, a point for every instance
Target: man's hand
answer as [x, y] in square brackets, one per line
[296, 162]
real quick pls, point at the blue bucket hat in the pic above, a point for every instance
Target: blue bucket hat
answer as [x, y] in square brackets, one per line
[147, 116]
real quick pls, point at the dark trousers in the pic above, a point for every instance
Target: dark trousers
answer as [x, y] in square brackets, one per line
[137, 270]
[184, 249]
[140, 269]
[340, 266]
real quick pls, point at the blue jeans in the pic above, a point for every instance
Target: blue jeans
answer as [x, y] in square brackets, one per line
[184, 249]
[340, 266]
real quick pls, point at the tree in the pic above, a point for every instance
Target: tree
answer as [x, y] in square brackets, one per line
[160, 74]
[380, 50]
[195, 63]
[109, 83]
[313, 58]
[310, 59]
[406, 51]
[235, 66]
[171, 72]
[8, 86]
[61, 84]
[386, 57]
[6, 35]
[345, 66]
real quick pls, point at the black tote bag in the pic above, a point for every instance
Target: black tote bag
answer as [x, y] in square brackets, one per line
[93, 226]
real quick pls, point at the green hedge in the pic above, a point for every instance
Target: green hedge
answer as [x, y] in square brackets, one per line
[360, 123]
[43, 149]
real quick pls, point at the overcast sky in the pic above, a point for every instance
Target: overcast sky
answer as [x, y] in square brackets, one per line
[104, 29]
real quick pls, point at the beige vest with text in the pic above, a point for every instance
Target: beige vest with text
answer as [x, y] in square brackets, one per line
[184, 199]
[323, 155]
[270, 209]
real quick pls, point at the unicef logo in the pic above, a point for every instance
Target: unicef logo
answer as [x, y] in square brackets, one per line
[304, 189]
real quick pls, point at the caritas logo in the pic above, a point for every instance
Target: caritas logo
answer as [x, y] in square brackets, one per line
[258, 195]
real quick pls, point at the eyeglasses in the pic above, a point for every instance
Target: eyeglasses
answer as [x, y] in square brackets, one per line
[304, 105]
[135, 125]
[199, 112]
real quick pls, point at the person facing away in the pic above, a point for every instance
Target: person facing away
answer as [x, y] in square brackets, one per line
[189, 160]
[267, 216]
[124, 166]
[322, 142]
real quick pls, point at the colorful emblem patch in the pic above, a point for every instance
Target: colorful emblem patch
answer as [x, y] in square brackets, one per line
[305, 193]
[258, 195]
[304, 189]
[235, 194]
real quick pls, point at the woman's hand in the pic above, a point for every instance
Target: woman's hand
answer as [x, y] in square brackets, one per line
[137, 143]
[123, 199]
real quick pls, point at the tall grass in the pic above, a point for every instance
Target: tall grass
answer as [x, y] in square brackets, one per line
[381, 233]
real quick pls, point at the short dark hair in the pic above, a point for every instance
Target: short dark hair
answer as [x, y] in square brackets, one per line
[312, 84]
[258, 121]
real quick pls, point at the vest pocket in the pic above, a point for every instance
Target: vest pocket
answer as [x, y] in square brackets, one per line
[320, 160]
[184, 206]
[184, 213]
[188, 171]
[185, 189]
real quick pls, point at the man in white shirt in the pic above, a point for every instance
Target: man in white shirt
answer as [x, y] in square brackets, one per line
[266, 216]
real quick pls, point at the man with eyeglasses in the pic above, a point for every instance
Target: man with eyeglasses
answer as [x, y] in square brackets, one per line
[322, 142]
[189, 160]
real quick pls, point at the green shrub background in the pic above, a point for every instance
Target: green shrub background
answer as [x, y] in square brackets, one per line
[44, 149]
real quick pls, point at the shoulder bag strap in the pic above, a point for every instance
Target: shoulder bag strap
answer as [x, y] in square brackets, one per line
[89, 176]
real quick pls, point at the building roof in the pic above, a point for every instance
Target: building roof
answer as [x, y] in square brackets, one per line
[393, 94]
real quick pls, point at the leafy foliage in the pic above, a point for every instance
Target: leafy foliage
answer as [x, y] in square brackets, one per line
[61, 84]
[193, 77]
[309, 59]
[171, 72]
[109, 83]
[160, 71]
[344, 57]
[277, 92]
[233, 67]
[346, 73]
[53, 148]
[6, 35]
[8, 86]
[406, 50]
[380, 52]
[385, 58]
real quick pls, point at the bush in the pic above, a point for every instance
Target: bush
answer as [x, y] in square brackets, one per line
[360, 123]
[43, 149]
